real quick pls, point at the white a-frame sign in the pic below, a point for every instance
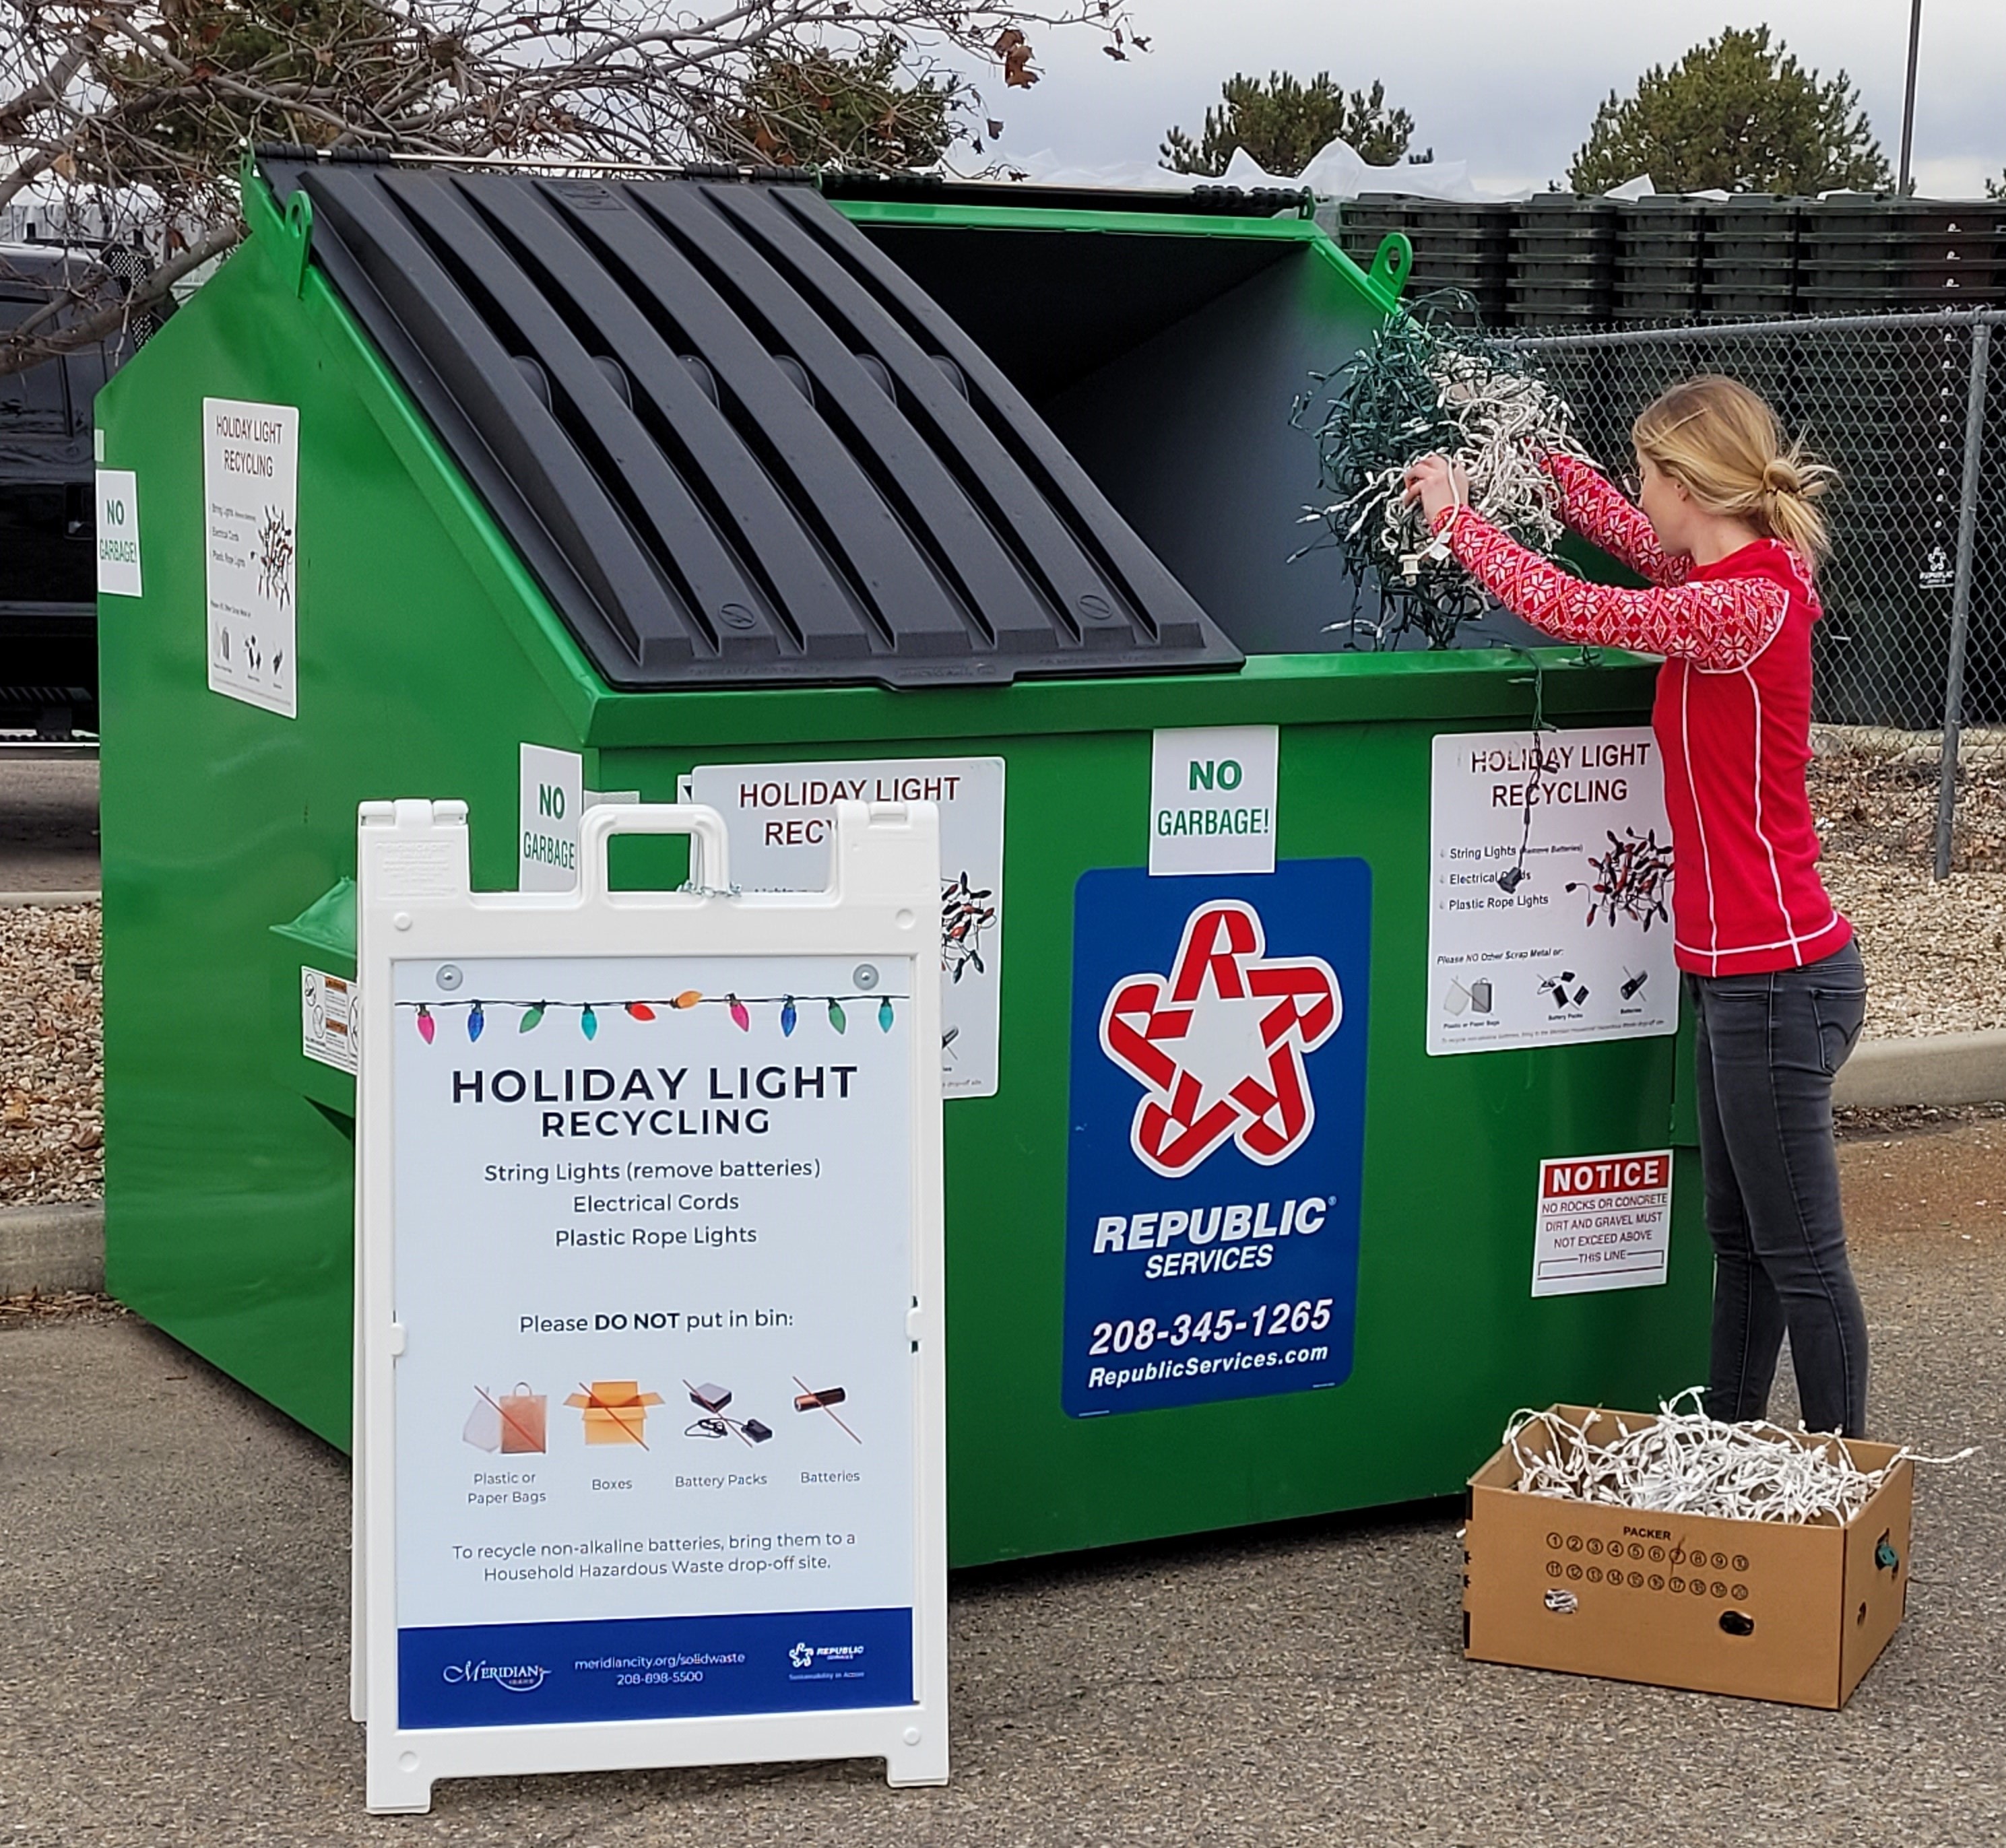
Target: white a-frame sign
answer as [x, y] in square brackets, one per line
[649, 1451]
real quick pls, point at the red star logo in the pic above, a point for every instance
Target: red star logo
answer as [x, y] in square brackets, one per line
[1218, 1045]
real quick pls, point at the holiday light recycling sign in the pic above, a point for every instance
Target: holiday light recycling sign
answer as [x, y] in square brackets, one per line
[1218, 1106]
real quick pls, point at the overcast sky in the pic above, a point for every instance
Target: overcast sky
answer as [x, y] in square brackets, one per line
[1511, 85]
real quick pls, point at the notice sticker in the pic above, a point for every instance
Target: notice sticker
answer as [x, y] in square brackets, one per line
[117, 533]
[1605, 1223]
[1211, 799]
[327, 1019]
[250, 477]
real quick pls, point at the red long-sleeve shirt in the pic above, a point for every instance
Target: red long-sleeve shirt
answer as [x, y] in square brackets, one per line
[1733, 715]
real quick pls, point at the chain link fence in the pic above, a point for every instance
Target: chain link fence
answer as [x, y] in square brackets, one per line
[1910, 410]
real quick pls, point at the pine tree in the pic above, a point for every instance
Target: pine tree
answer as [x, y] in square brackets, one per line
[1283, 123]
[1738, 113]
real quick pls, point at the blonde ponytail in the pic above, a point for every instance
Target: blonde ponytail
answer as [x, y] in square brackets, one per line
[1722, 443]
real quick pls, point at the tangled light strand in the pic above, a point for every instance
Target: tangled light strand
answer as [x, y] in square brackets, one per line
[1426, 386]
[1686, 1462]
[1633, 880]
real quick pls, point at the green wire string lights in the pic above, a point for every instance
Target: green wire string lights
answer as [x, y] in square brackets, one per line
[787, 1011]
[1426, 386]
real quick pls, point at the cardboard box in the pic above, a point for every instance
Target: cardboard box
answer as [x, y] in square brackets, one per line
[1770, 1610]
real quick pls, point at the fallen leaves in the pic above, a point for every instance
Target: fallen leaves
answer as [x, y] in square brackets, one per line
[52, 1092]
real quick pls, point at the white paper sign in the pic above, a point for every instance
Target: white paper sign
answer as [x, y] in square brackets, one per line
[552, 798]
[327, 1019]
[781, 819]
[650, 1466]
[117, 533]
[1605, 1223]
[1550, 911]
[1211, 799]
[250, 474]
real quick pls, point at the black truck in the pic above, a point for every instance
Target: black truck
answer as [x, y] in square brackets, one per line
[48, 591]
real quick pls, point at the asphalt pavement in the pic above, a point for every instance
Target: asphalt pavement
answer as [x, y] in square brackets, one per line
[174, 1643]
[48, 823]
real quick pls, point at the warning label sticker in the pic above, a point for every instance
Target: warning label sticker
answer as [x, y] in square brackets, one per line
[327, 1019]
[1605, 1223]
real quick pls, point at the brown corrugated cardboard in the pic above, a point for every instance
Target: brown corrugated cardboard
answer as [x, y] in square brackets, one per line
[1772, 1609]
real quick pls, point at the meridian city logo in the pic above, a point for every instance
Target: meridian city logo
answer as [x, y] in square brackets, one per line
[522, 1677]
[1218, 1044]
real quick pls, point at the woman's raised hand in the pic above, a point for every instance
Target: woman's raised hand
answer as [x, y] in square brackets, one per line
[1437, 483]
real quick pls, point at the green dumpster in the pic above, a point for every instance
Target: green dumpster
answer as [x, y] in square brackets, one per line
[531, 490]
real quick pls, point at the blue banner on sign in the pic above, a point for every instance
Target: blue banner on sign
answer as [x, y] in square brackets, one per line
[1218, 1126]
[653, 1667]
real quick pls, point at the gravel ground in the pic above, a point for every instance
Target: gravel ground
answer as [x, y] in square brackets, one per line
[51, 1057]
[174, 1664]
[1935, 953]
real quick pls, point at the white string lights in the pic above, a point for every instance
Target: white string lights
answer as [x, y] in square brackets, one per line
[1426, 386]
[1686, 1462]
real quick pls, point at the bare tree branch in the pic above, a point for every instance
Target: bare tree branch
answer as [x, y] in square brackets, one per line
[127, 118]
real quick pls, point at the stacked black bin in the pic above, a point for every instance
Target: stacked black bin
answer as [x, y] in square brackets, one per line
[1465, 247]
[1563, 262]
[1865, 254]
[1750, 259]
[1660, 252]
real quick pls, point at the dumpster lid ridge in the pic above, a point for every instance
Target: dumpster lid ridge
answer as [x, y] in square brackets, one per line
[733, 441]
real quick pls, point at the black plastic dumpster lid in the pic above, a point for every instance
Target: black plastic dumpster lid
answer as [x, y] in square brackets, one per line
[737, 444]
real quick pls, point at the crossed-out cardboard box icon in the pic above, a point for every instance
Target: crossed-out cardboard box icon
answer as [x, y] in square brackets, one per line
[616, 1412]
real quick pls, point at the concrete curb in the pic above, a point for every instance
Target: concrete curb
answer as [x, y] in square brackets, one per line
[47, 901]
[50, 1249]
[1936, 1068]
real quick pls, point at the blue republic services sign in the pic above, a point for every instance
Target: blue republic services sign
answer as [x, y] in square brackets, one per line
[1217, 1109]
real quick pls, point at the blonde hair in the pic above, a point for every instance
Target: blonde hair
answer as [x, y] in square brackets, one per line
[1722, 442]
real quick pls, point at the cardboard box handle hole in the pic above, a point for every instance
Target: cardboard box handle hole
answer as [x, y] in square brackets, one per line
[1737, 1623]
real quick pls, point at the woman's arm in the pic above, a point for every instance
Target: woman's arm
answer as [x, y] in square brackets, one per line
[1594, 507]
[1718, 623]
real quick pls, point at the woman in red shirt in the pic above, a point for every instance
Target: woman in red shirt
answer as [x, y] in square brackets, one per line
[1728, 534]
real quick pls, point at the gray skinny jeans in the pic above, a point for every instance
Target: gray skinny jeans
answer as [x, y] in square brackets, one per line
[1769, 1046]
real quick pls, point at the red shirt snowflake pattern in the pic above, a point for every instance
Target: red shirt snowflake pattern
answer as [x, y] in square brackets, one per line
[1733, 715]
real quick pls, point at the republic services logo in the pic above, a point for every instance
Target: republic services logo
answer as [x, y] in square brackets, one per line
[1218, 1044]
[800, 1655]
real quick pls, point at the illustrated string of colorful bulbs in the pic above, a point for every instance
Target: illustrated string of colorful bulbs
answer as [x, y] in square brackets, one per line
[741, 1010]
